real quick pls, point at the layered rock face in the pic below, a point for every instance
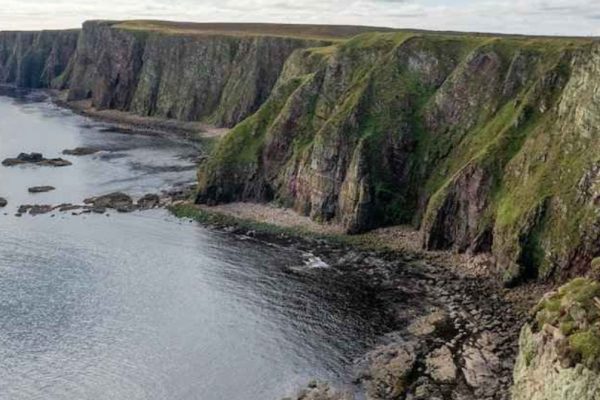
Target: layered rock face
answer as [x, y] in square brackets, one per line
[35, 59]
[220, 79]
[485, 143]
[559, 354]
[192, 75]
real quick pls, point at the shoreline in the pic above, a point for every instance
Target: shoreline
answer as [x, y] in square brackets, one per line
[480, 322]
[133, 123]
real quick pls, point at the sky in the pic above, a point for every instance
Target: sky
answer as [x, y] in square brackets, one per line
[545, 17]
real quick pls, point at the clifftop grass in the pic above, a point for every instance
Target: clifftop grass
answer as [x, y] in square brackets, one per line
[301, 31]
[575, 310]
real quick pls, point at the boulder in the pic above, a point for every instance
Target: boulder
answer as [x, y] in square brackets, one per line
[388, 371]
[3, 202]
[441, 366]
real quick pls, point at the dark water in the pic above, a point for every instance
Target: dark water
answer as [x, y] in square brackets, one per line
[145, 306]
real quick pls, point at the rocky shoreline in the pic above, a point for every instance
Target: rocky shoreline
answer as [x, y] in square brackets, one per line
[458, 338]
[130, 123]
[461, 344]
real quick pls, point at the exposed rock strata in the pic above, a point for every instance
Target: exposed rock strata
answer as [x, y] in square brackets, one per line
[477, 141]
[484, 143]
[35, 59]
[216, 78]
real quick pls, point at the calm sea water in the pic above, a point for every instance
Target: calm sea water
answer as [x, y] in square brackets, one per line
[145, 306]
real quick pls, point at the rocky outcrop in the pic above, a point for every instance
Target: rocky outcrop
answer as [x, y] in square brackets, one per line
[35, 59]
[559, 354]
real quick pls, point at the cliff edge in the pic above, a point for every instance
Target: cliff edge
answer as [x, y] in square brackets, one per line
[559, 354]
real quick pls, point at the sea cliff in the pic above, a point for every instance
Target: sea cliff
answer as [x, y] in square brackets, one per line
[482, 143]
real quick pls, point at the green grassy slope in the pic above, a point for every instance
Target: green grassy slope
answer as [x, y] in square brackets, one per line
[476, 139]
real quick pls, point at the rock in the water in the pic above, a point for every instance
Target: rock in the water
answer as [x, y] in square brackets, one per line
[148, 201]
[40, 189]
[56, 162]
[35, 158]
[67, 207]
[441, 366]
[35, 209]
[30, 158]
[3, 202]
[80, 151]
[117, 200]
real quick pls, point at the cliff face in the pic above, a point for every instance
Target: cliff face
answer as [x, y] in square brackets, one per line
[484, 143]
[220, 79]
[559, 355]
[35, 59]
[487, 144]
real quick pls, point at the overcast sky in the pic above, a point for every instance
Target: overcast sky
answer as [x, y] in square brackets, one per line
[552, 17]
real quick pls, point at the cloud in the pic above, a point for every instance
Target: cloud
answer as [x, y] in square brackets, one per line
[548, 17]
